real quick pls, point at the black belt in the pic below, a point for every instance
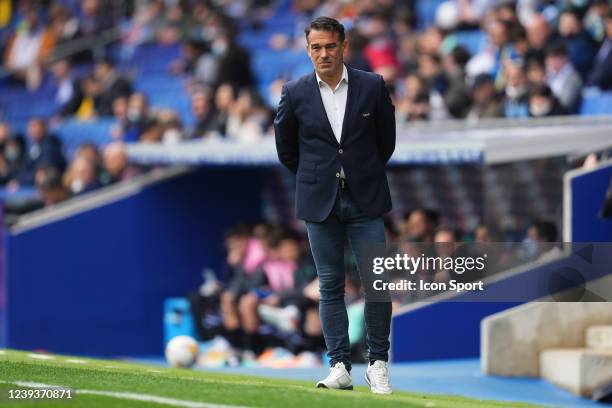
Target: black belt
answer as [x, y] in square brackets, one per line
[343, 184]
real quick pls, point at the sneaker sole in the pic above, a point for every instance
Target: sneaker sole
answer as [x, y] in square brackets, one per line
[347, 388]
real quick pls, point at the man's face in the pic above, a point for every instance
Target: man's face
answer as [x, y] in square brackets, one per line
[36, 130]
[326, 51]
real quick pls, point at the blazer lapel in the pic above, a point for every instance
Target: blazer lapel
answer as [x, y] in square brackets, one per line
[351, 100]
[314, 95]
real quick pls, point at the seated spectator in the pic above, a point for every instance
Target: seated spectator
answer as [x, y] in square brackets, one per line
[86, 108]
[50, 186]
[82, 176]
[282, 283]
[186, 64]
[28, 49]
[543, 103]
[581, 47]
[116, 165]
[12, 148]
[44, 149]
[535, 71]
[540, 242]
[562, 78]
[224, 99]
[112, 86]
[414, 85]
[601, 75]
[248, 118]
[67, 89]
[241, 249]
[487, 103]
[539, 35]
[204, 115]
[516, 104]
[419, 108]
[419, 226]
[595, 19]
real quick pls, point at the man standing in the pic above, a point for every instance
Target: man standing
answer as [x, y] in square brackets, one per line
[335, 128]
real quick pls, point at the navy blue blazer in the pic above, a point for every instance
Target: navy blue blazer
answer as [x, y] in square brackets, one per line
[306, 144]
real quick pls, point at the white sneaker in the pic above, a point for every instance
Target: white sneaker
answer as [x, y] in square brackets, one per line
[377, 377]
[339, 378]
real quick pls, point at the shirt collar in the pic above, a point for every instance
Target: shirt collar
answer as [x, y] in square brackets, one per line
[344, 77]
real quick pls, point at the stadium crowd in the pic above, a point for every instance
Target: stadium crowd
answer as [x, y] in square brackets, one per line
[536, 59]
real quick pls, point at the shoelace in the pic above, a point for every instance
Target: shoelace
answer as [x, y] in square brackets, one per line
[381, 374]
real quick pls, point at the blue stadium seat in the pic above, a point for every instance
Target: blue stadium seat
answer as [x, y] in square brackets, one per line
[426, 12]
[472, 40]
[73, 133]
[596, 104]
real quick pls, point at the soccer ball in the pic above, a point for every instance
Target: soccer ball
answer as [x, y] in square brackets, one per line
[182, 351]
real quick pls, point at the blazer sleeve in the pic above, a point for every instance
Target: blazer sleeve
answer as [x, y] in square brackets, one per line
[385, 123]
[286, 133]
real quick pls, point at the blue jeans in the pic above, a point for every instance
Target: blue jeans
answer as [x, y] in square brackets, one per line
[327, 242]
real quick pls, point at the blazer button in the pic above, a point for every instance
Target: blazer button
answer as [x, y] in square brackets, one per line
[340, 151]
[337, 175]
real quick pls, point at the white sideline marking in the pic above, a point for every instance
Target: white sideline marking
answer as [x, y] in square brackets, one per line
[128, 395]
[40, 356]
[75, 361]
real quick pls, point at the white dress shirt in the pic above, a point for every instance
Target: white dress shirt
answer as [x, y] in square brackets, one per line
[334, 102]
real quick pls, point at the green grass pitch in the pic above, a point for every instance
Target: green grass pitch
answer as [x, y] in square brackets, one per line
[111, 383]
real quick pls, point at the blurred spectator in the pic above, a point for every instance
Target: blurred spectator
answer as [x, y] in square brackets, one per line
[601, 75]
[248, 118]
[581, 47]
[43, 149]
[112, 86]
[563, 80]
[536, 71]
[457, 93]
[355, 53]
[204, 115]
[543, 103]
[540, 242]
[191, 51]
[414, 104]
[419, 226]
[94, 18]
[116, 165]
[49, 184]
[594, 20]
[487, 102]
[489, 61]
[233, 63]
[90, 89]
[539, 35]
[12, 149]
[65, 85]
[516, 103]
[28, 49]
[224, 99]
[83, 177]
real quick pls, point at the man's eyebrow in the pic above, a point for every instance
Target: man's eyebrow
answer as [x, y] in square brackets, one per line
[324, 45]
